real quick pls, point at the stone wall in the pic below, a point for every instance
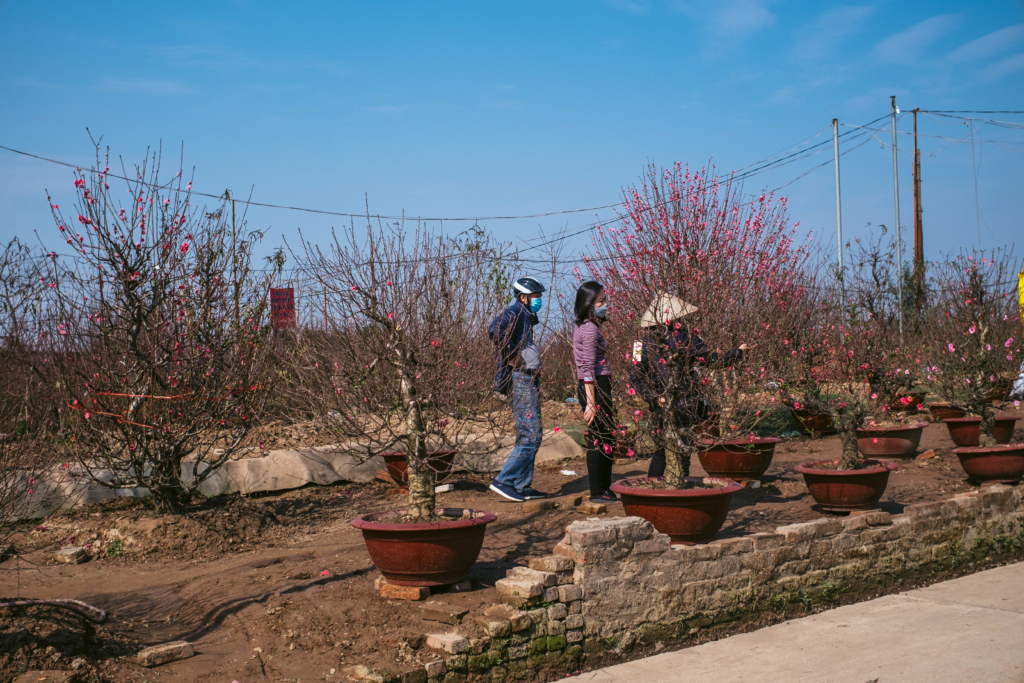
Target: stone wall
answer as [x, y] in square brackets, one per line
[616, 588]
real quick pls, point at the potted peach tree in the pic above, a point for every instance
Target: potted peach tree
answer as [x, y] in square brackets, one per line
[690, 274]
[400, 361]
[975, 346]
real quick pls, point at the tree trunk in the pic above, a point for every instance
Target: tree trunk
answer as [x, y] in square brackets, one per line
[847, 422]
[988, 422]
[166, 499]
[422, 500]
[678, 449]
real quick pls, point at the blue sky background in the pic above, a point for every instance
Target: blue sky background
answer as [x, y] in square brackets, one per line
[467, 109]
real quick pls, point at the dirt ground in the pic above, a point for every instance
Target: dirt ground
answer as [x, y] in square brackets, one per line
[279, 587]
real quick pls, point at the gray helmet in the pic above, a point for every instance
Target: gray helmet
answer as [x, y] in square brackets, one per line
[528, 285]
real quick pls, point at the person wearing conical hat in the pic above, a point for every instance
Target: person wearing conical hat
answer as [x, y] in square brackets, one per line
[651, 377]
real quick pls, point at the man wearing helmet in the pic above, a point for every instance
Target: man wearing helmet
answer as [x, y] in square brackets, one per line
[518, 376]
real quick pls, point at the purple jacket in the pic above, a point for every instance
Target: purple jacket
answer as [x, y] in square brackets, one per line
[589, 348]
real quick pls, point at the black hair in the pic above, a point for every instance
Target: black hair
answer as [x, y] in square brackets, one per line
[586, 295]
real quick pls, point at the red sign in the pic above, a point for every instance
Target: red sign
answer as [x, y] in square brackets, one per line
[282, 308]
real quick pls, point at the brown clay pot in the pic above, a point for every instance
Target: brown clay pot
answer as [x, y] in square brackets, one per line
[997, 464]
[688, 516]
[892, 442]
[966, 431]
[944, 411]
[738, 460]
[846, 490]
[398, 466]
[427, 554]
[810, 422]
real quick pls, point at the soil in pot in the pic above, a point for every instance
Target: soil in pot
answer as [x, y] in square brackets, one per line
[691, 515]
[1003, 464]
[813, 423]
[738, 460]
[944, 411]
[966, 431]
[426, 553]
[398, 467]
[891, 441]
[838, 490]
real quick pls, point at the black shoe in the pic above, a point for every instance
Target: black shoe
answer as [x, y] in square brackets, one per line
[532, 494]
[604, 498]
[609, 494]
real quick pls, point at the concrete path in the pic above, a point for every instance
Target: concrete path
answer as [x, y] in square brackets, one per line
[960, 631]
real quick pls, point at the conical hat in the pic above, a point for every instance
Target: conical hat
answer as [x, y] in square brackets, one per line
[664, 309]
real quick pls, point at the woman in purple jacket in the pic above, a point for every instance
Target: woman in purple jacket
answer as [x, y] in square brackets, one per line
[594, 390]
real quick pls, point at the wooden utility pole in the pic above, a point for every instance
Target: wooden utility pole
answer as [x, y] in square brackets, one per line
[919, 293]
[234, 257]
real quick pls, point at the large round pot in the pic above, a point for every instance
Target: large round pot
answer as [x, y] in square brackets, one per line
[688, 516]
[398, 466]
[424, 554]
[943, 411]
[846, 490]
[892, 442]
[811, 422]
[998, 464]
[739, 460]
[966, 431]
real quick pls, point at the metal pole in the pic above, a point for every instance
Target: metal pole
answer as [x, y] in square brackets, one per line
[839, 217]
[896, 189]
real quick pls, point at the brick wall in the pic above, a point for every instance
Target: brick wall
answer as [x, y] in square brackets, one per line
[617, 587]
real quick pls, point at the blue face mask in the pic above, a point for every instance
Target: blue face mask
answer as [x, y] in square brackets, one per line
[535, 304]
[601, 311]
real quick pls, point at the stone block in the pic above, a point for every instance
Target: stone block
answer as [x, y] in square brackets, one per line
[519, 621]
[456, 662]
[563, 549]
[557, 611]
[442, 612]
[435, 669]
[564, 578]
[589, 508]
[652, 545]
[517, 651]
[878, 518]
[805, 531]
[569, 593]
[362, 673]
[452, 643]
[414, 676]
[576, 607]
[390, 591]
[855, 523]
[556, 628]
[734, 546]
[767, 541]
[538, 616]
[551, 594]
[496, 628]
[520, 587]
[574, 621]
[551, 563]
[546, 579]
[556, 643]
[168, 652]
[574, 636]
[521, 603]
[534, 506]
[464, 586]
[698, 553]
[923, 510]
[71, 555]
[477, 646]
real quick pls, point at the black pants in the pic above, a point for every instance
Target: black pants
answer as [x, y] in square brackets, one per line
[601, 437]
[693, 414]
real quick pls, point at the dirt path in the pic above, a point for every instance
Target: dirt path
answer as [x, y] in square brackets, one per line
[240, 574]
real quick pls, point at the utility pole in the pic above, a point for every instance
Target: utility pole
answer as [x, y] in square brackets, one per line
[234, 257]
[839, 218]
[896, 188]
[918, 228]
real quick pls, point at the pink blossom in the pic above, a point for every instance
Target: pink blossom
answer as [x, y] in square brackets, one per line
[920, 407]
[557, 429]
[1008, 342]
[874, 396]
[951, 349]
[87, 415]
[434, 343]
[184, 248]
[325, 573]
[629, 453]
[971, 329]
[631, 391]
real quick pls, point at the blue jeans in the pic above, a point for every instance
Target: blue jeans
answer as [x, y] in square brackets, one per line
[518, 469]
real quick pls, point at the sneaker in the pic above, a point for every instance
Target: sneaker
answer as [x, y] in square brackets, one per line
[609, 494]
[533, 494]
[604, 498]
[506, 491]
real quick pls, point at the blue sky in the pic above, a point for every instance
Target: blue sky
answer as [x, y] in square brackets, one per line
[470, 109]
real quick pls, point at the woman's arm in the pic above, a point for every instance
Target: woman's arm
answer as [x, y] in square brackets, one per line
[591, 412]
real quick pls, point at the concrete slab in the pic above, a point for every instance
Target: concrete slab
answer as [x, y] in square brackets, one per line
[968, 629]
